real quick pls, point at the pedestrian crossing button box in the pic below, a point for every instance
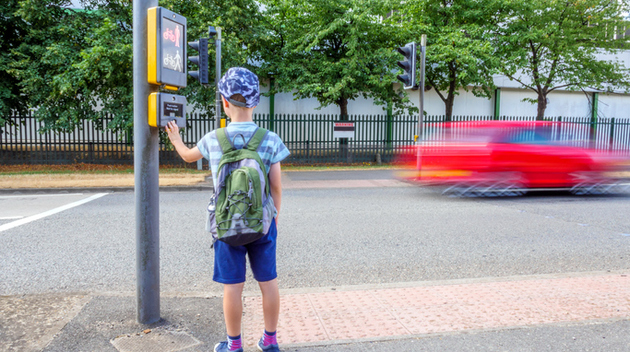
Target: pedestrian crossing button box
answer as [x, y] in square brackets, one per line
[164, 108]
[166, 48]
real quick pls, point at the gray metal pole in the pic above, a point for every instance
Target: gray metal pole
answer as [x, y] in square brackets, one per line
[217, 44]
[146, 170]
[423, 45]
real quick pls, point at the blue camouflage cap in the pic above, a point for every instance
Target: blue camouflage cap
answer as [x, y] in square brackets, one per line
[239, 80]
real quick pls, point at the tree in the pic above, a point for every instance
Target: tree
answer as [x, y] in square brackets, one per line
[553, 44]
[334, 51]
[458, 54]
[12, 31]
[72, 62]
[240, 24]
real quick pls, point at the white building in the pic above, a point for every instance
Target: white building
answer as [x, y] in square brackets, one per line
[562, 102]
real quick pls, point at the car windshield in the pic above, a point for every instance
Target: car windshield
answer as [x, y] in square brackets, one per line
[540, 135]
[460, 134]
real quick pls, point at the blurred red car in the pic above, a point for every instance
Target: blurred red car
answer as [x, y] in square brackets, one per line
[492, 158]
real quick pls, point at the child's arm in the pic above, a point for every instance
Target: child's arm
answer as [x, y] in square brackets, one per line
[275, 184]
[189, 155]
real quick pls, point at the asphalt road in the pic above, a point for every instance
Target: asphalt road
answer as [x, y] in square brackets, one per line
[328, 237]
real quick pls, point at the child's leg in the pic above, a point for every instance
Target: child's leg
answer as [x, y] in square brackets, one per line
[271, 303]
[233, 308]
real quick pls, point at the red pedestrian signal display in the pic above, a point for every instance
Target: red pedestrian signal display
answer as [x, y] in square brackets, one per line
[166, 50]
[172, 36]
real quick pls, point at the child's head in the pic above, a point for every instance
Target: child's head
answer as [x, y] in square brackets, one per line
[239, 86]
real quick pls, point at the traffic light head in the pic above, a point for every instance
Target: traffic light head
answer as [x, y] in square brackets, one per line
[200, 60]
[166, 48]
[408, 78]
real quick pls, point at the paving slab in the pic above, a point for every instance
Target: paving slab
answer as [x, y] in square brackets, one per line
[591, 336]
[500, 313]
[107, 323]
[150, 341]
[30, 322]
[346, 316]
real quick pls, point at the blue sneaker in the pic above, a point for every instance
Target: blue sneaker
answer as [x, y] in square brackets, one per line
[269, 348]
[223, 347]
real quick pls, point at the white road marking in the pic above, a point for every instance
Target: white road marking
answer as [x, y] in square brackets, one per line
[49, 212]
[42, 195]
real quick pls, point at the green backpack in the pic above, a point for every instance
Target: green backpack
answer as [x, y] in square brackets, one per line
[241, 209]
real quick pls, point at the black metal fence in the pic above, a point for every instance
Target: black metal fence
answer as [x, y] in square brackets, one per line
[309, 137]
[23, 140]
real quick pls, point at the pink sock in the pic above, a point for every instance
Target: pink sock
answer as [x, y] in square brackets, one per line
[269, 338]
[234, 343]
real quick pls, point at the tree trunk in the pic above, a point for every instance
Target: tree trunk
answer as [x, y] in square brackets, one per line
[345, 156]
[343, 107]
[450, 98]
[542, 106]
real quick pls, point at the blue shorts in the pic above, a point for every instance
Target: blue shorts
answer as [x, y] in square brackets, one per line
[229, 261]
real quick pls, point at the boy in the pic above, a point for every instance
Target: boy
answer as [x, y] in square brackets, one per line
[239, 89]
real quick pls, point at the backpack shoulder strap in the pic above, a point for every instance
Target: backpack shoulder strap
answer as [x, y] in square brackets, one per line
[224, 141]
[254, 143]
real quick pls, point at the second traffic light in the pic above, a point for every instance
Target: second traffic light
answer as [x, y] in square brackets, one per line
[408, 78]
[201, 45]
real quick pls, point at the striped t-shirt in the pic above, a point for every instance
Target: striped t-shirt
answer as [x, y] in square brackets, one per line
[272, 150]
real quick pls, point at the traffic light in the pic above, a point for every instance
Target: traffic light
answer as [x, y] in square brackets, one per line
[166, 48]
[408, 78]
[201, 45]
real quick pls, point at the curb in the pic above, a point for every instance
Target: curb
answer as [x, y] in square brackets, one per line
[30, 191]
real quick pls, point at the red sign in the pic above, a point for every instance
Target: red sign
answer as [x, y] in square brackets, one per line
[343, 129]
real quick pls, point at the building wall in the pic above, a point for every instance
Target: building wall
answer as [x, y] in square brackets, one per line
[614, 105]
[561, 103]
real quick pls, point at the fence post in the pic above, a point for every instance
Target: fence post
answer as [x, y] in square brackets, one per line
[612, 134]
[389, 126]
[343, 143]
[594, 108]
[497, 103]
[272, 101]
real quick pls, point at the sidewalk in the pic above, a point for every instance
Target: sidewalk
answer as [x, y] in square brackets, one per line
[169, 183]
[333, 316]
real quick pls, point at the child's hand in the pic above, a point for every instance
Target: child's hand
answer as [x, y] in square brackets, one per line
[173, 131]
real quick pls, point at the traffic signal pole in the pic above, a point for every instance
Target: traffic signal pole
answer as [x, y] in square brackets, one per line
[423, 49]
[408, 79]
[146, 172]
[217, 43]
[423, 46]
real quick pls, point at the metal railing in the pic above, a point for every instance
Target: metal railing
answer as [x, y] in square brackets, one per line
[309, 137]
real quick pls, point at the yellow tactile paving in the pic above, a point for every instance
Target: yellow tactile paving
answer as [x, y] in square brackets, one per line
[326, 317]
